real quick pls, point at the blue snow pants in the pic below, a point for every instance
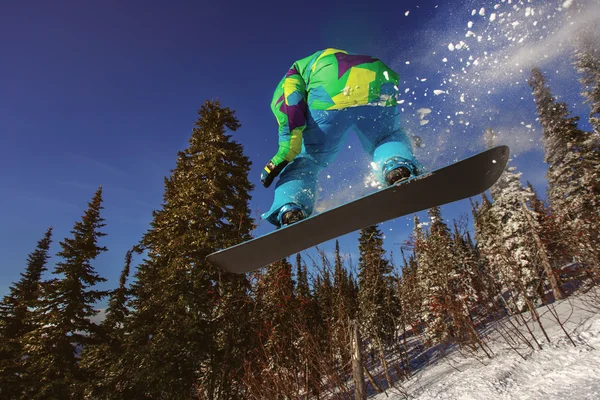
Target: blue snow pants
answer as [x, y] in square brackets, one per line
[380, 134]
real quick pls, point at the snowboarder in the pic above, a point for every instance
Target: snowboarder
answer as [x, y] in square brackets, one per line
[319, 100]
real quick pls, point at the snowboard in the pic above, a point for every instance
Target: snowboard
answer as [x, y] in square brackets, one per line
[454, 182]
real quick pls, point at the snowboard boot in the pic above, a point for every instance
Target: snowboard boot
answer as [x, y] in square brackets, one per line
[397, 175]
[396, 170]
[289, 214]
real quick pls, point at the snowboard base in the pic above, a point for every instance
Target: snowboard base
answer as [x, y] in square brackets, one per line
[454, 182]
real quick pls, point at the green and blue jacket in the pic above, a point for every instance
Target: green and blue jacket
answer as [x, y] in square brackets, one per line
[329, 79]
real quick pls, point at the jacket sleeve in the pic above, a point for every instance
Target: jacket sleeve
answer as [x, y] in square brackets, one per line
[289, 106]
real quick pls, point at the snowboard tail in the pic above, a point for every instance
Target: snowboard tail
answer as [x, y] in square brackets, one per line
[466, 178]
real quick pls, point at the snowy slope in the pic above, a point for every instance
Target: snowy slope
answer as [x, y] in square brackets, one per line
[558, 371]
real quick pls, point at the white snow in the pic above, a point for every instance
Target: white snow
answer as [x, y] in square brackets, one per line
[558, 371]
[406, 13]
[423, 112]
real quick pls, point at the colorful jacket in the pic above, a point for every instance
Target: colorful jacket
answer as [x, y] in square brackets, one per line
[329, 79]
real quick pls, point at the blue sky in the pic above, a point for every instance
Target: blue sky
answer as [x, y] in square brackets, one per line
[105, 93]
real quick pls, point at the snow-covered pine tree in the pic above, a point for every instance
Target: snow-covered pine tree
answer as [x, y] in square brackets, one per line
[522, 264]
[467, 289]
[63, 326]
[587, 64]
[436, 261]
[516, 263]
[16, 321]
[551, 233]
[490, 248]
[187, 333]
[572, 172]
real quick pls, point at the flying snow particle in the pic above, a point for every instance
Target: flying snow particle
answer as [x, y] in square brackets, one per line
[470, 24]
[437, 92]
[567, 3]
[423, 112]
[406, 13]
[423, 79]
[462, 98]
[407, 63]
[473, 12]
[451, 47]
[423, 122]
[387, 77]
[482, 11]
[493, 17]
[328, 176]
[444, 59]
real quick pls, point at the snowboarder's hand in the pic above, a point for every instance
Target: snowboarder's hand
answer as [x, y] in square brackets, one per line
[270, 172]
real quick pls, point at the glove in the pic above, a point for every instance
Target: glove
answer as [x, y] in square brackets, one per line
[271, 171]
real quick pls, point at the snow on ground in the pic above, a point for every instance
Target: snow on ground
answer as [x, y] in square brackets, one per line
[558, 371]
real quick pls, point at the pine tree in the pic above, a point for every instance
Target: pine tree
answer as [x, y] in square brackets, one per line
[376, 318]
[343, 310]
[435, 258]
[309, 335]
[303, 294]
[63, 325]
[373, 272]
[467, 290]
[572, 172]
[587, 63]
[98, 360]
[279, 309]
[187, 332]
[16, 318]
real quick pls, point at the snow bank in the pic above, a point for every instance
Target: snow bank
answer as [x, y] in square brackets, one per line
[558, 371]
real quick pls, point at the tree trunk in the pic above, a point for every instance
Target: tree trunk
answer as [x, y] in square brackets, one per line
[357, 370]
[384, 362]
